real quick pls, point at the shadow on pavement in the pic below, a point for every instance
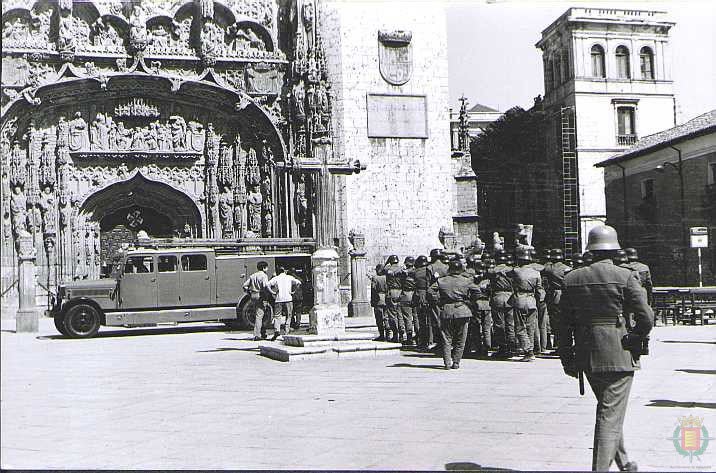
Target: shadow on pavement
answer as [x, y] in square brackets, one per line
[408, 365]
[668, 403]
[143, 332]
[8, 330]
[698, 371]
[470, 466]
[256, 349]
[705, 342]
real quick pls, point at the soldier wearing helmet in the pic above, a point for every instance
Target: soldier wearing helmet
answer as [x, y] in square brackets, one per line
[554, 276]
[539, 332]
[479, 331]
[594, 339]
[438, 268]
[393, 272]
[502, 319]
[620, 258]
[378, 294]
[407, 284]
[643, 271]
[423, 280]
[452, 292]
[527, 290]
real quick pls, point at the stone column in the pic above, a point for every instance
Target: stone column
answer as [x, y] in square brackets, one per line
[359, 306]
[27, 318]
[326, 318]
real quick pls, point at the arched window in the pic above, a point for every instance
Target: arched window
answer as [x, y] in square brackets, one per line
[623, 71]
[598, 69]
[646, 60]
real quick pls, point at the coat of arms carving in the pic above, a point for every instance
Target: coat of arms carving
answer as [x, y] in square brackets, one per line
[395, 56]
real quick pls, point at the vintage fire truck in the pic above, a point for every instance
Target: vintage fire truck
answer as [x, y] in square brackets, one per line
[177, 280]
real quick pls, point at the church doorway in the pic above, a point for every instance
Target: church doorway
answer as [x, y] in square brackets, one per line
[123, 209]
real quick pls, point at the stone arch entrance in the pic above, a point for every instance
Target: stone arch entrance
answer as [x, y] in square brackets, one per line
[124, 208]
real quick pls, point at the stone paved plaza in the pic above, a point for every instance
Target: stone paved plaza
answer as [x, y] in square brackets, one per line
[201, 397]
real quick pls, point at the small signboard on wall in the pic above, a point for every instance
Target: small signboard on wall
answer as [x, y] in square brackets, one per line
[397, 116]
[699, 237]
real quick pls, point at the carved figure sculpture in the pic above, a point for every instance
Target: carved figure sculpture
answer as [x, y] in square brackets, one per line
[47, 206]
[226, 214]
[18, 210]
[178, 128]
[254, 200]
[78, 137]
[298, 98]
[18, 165]
[47, 161]
[253, 177]
[66, 34]
[138, 28]
[498, 242]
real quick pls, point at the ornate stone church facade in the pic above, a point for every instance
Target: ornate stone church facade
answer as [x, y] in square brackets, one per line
[208, 119]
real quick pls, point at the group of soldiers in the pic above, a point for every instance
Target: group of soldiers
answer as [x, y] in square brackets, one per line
[505, 302]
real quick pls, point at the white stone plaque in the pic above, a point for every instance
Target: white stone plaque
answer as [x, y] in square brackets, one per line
[397, 116]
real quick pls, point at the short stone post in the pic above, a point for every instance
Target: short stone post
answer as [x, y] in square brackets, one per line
[27, 319]
[326, 318]
[359, 306]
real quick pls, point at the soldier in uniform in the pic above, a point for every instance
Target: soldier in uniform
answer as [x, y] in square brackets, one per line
[378, 294]
[540, 326]
[527, 287]
[595, 340]
[480, 329]
[643, 271]
[500, 293]
[621, 259]
[420, 302]
[453, 293]
[407, 284]
[554, 275]
[393, 270]
[437, 269]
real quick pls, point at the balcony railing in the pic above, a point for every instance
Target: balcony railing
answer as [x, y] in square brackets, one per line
[626, 140]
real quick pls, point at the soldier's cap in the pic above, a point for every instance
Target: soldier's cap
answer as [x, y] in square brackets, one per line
[393, 259]
[486, 256]
[502, 258]
[621, 256]
[436, 253]
[603, 238]
[632, 254]
[556, 254]
[421, 261]
[523, 254]
[378, 268]
[456, 266]
[409, 260]
[587, 256]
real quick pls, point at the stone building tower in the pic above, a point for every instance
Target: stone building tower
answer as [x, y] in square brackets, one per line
[607, 79]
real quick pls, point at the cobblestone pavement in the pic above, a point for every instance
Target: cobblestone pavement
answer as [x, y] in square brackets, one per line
[201, 397]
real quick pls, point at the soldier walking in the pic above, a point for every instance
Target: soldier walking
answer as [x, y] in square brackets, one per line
[378, 294]
[594, 340]
[436, 269]
[453, 293]
[527, 287]
[643, 271]
[554, 275]
[393, 270]
[420, 302]
[502, 320]
[407, 284]
[257, 287]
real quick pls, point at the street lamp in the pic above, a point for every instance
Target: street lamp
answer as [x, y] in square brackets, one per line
[679, 166]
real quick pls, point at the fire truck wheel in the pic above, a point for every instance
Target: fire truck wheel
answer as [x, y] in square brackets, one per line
[247, 315]
[82, 321]
[60, 324]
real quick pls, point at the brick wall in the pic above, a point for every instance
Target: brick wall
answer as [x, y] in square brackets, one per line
[405, 195]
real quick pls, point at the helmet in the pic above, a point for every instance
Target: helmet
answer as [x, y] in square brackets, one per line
[523, 254]
[578, 262]
[378, 269]
[456, 266]
[485, 256]
[472, 261]
[409, 260]
[632, 254]
[602, 238]
[556, 254]
[446, 258]
[393, 259]
[502, 258]
[421, 261]
[547, 255]
[479, 266]
[588, 257]
[435, 253]
[621, 257]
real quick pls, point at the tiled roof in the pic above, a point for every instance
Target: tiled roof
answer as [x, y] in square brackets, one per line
[696, 126]
[478, 107]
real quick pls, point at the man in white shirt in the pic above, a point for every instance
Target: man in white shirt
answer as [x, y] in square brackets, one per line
[283, 286]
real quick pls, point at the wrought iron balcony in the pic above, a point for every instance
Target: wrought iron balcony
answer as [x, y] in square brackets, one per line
[626, 140]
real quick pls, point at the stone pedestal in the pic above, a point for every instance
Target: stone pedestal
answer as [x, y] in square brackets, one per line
[326, 318]
[27, 319]
[360, 303]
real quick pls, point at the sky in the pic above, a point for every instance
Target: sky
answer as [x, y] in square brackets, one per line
[493, 60]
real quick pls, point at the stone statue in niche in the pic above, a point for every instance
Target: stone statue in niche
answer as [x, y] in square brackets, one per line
[158, 37]
[253, 177]
[268, 224]
[66, 34]
[47, 206]
[301, 202]
[18, 165]
[138, 28]
[254, 200]
[245, 38]
[105, 35]
[224, 171]
[182, 29]
[226, 213]
[78, 136]
[18, 209]
[178, 130]
[298, 99]
[99, 133]
[47, 161]
[212, 41]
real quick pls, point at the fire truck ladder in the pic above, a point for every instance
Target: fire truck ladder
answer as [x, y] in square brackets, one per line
[570, 183]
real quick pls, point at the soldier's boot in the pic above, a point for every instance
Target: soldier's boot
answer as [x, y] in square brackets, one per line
[381, 336]
[409, 340]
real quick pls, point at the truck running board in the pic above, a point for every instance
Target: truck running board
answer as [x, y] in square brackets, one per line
[170, 316]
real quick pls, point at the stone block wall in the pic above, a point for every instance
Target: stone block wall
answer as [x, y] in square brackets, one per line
[405, 195]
